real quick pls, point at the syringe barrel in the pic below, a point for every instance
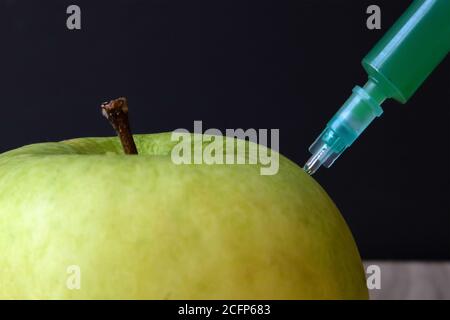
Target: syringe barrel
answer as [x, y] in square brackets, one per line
[411, 49]
[397, 65]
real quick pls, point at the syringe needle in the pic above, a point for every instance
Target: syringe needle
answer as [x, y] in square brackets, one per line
[345, 126]
[315, 161]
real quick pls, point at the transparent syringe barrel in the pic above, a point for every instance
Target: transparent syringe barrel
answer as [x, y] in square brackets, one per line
[349, 122]
[397, 65]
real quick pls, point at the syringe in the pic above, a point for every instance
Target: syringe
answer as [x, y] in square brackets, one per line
[397, 66]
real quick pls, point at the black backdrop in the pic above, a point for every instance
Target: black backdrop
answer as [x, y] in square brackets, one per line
[238, 64]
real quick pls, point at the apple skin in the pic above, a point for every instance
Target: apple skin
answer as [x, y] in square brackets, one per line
[141, 227]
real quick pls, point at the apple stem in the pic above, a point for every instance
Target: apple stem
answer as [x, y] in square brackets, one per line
[116, 111]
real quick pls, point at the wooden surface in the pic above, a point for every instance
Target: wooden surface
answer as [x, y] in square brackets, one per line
[412, 280]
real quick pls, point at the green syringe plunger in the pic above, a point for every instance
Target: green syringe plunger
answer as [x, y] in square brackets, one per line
[396, 67]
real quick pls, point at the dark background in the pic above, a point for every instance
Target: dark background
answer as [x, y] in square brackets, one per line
[238, 64]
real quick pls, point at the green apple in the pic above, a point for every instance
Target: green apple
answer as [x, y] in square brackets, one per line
[141, 227]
